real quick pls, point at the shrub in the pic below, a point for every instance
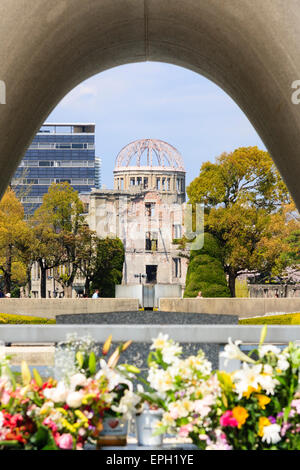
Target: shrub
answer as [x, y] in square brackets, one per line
[205, 271]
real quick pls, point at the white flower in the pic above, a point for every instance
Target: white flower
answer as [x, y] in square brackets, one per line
[266, 348]
[57, 394]
[74, 399]
[268, 383]
[113, 377]
[127, 405]
[271, 434]
[282, 363]
[232, 351]
[160, 342]
[249, 379]
[160, 380]
[170, 353]
[78, 380]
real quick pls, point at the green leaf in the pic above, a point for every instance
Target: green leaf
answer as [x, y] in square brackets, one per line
[80, 359]
[263, 335]
[26, 374]
[131, 368]
[92, 363]
[38, 379]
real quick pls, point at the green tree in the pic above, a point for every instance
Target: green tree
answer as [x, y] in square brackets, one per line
[245, 200]
[205, 271]
[108, 266]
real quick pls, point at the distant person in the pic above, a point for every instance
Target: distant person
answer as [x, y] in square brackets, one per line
[96, 294]
[199, 296]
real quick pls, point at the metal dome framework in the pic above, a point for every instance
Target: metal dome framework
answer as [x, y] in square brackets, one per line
[166, 156]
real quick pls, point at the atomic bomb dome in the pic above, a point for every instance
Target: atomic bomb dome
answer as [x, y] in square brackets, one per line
[149, 164]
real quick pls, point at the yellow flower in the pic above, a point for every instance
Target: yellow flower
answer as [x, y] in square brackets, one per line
[263, 400]
[80, 415]
[263, 421]
[251, 390]
[240, 414]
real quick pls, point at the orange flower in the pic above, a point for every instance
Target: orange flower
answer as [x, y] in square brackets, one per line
[263, 400]
[240, 414]
[263, 421]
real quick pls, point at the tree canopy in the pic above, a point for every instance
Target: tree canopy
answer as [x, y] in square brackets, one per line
[247, 208]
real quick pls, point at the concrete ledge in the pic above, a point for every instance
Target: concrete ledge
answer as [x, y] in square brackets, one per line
[49, 308]
[217, 334]
[33, 355]
[242, 307]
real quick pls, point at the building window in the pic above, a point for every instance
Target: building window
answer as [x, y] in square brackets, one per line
[177, 232]
[132, 181]
[150, 209]
[168, 184]
[158, 184]
[177, 267]
[145, 183]
[151, 241]
[139, 181]
[151, 272]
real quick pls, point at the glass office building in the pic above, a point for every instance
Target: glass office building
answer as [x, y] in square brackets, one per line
[58, 153]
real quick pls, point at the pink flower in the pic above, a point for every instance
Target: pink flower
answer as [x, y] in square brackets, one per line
[48, 422]
[65, 441]
[296, 404]
[5, 398]
[185, 430]
[228, 420]
[203, 406]
[174, 413]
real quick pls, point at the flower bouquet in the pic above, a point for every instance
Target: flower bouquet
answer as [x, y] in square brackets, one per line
[175, 385]
[68, 413]
[254, 408]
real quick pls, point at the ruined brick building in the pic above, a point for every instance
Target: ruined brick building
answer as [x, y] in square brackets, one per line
[145, 210]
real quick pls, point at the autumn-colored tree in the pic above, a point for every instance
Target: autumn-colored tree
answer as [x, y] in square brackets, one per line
[14, 232]
[245, 200]
[58, 221]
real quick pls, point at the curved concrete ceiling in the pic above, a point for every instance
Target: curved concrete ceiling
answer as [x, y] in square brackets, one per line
[250, 48]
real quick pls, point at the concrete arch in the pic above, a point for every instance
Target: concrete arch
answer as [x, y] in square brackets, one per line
[250, 48]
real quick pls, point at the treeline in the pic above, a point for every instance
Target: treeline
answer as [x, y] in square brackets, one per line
[56, 236]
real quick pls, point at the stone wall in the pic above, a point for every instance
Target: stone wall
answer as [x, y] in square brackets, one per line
[49, 308]
[273, 290]
[242, 307]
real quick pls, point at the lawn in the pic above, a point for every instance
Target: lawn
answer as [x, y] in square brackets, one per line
[287, 319]
[6, 318]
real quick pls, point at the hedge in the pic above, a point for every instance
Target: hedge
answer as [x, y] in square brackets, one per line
[286, 319]
[7, 318]
[205, 271]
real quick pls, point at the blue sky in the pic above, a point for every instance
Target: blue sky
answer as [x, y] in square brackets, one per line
[159, 101]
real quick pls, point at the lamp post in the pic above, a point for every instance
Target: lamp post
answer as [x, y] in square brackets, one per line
[140, 276]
